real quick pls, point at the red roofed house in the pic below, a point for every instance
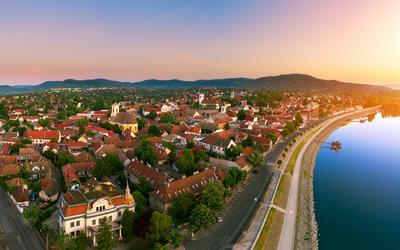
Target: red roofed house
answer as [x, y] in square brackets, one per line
[9, 169]
[161, 198]
[84, 210]
[71, 177]
[43, 136]
[49, 190]
[20, 197]
[136, 169]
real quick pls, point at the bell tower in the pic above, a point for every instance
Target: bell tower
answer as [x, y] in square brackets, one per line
[114, 109]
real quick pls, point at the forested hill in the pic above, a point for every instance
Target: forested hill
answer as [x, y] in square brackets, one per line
[293, 82]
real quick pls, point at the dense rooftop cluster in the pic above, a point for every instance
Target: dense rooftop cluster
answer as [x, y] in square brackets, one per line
[87, 147]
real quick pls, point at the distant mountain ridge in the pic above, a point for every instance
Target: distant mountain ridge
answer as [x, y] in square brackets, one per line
[289, 82]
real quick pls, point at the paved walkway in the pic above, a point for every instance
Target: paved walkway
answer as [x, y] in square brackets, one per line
[279, 208]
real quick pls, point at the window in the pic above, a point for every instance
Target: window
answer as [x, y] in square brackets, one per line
[78, 223]
[72, 224]
[109, 218]
[104, 207]
[119, 214]
[93, 222]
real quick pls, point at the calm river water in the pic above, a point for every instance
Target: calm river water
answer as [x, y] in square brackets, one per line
[357, 191]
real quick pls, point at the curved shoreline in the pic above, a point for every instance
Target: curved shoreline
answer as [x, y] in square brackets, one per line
[306, 235]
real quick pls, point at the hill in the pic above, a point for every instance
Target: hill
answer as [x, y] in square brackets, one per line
[288, 82]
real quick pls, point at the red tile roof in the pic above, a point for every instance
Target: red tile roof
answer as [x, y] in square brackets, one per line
[43, 134]
[9, 169]
[194, 184]
[138, 169]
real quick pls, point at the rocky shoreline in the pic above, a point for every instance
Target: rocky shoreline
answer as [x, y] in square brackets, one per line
[306, 225]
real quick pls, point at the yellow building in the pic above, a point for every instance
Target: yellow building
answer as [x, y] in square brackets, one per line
[125, 120]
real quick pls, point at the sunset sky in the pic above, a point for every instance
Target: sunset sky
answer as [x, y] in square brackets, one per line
[349, 40]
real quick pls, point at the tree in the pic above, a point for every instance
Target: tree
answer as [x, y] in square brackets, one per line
[234, 177]
[99, 104]
[201, 156]
[145, 152]
[168, 118]
[3, 111]
[141, 123]
[298, 118]
[290, 126]
[49, 155]
[186, 163]
[32, 214]
[176, 239]
[201, 217]
[62, 158]
[15, 147]
[160, 227]
[141, 201]
[26, 141]
[127, 222]
[271, 136]
[44, 122]
[248, 142]
[233, 152]
[61, 241]
[107, 166]
[255, 159]
[190, 144]
[153, 130]
[82, 123]
[183, 206]
[80, 242]
[104, 237]
[213, 196]
[152, 115]
[241, 115]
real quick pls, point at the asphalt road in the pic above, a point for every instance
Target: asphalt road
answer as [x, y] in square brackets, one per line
[15, 233]
[238, 214]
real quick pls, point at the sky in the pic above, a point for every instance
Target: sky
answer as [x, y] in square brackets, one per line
[128, 40]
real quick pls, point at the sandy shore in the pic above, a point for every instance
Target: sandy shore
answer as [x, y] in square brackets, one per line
[306, 224]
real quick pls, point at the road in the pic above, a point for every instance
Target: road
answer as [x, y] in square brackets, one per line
[15, 233]
[239, 212]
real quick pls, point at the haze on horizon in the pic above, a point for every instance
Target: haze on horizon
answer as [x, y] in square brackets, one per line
[353, 41]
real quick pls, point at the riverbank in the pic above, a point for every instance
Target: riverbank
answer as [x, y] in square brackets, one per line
[306, 236]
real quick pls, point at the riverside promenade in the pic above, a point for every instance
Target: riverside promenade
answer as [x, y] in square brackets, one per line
[286, 241]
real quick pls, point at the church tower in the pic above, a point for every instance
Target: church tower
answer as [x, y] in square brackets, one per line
[114, 109]
[128, 196]
[201, 98]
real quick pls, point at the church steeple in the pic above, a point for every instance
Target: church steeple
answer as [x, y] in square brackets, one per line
[128, 196]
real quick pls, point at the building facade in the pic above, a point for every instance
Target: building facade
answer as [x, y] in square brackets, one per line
[82, 211]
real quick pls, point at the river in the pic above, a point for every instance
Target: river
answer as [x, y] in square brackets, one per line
[357, 190]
